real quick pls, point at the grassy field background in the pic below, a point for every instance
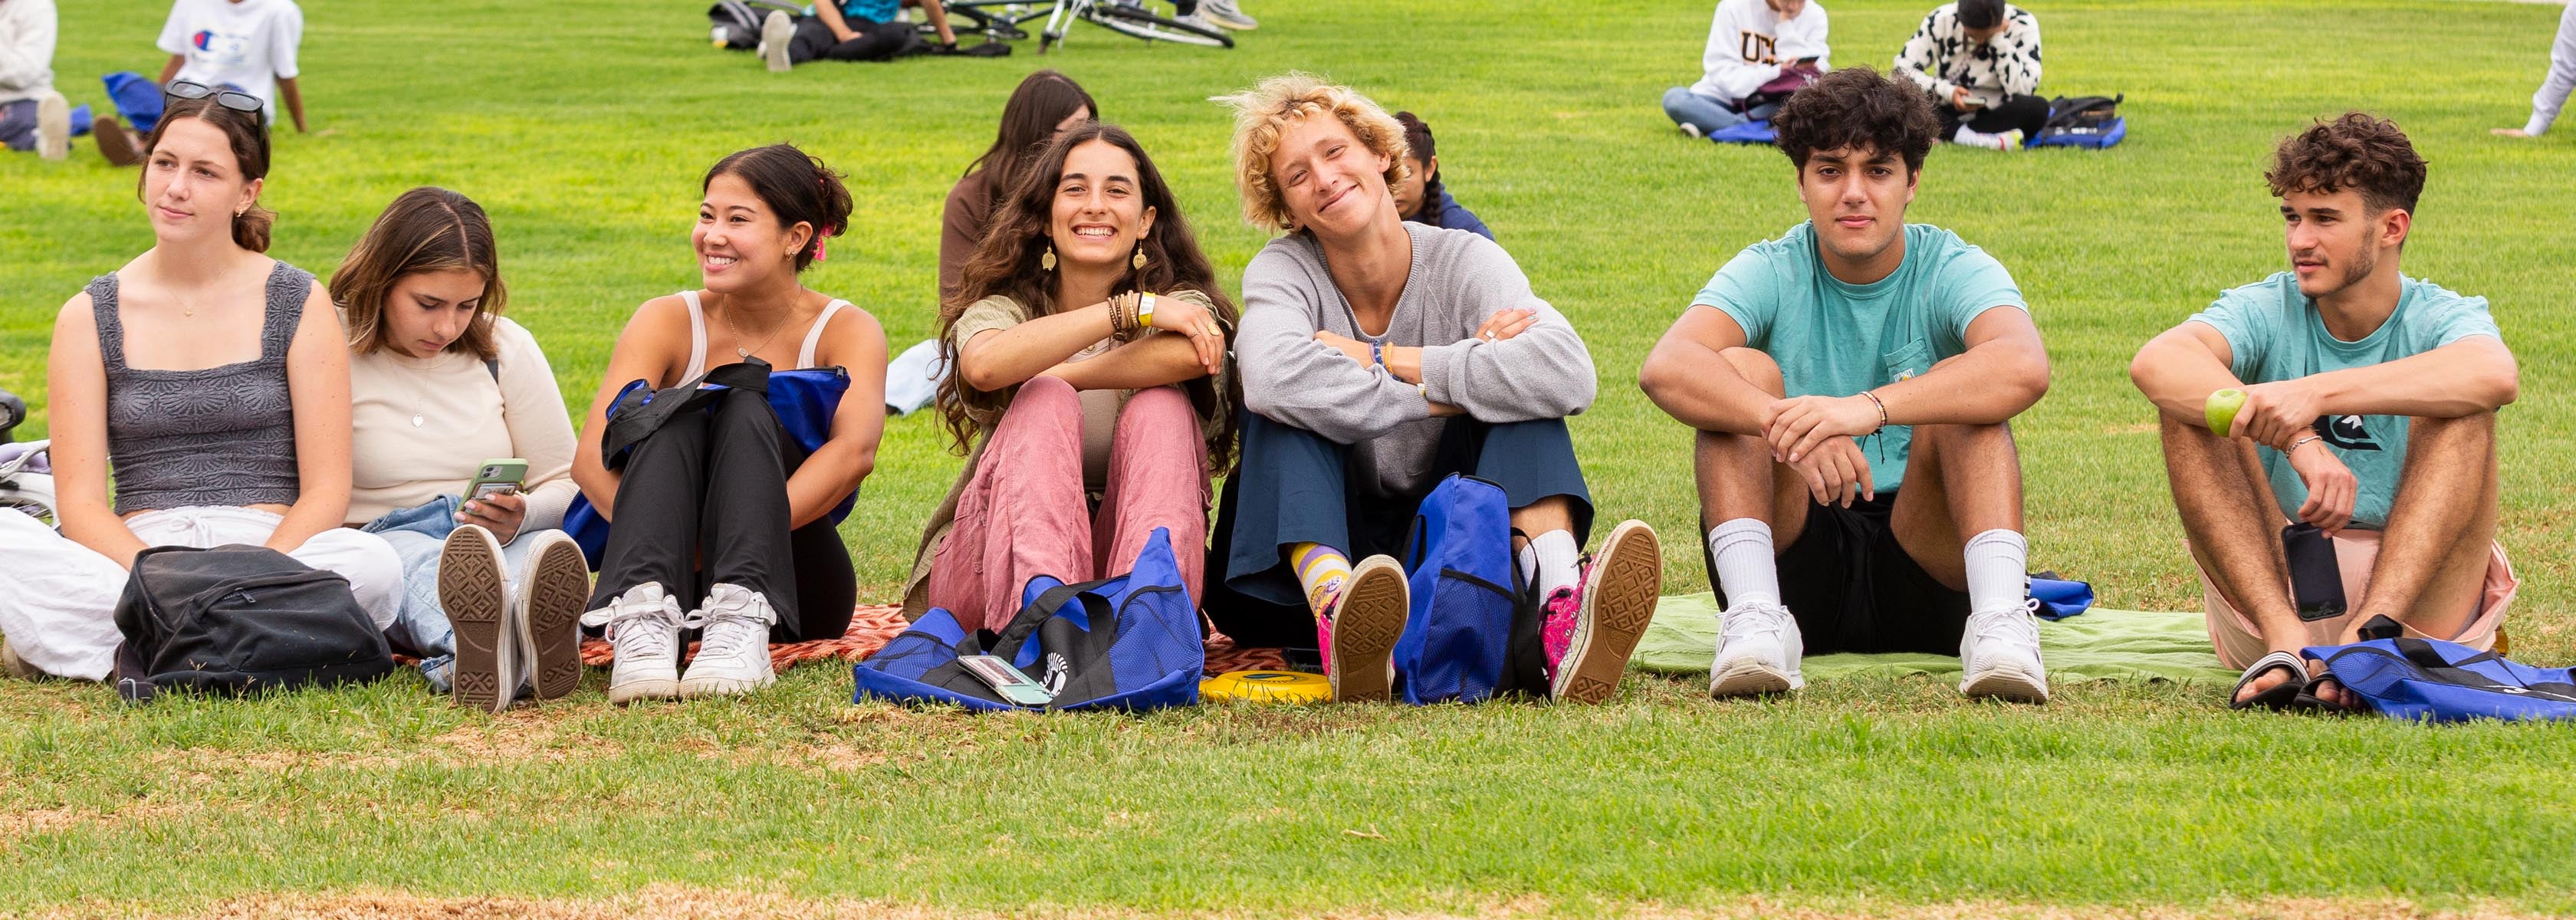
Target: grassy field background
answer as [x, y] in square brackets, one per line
[583, 127]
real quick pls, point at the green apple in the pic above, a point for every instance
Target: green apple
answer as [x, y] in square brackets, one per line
[2222, 408]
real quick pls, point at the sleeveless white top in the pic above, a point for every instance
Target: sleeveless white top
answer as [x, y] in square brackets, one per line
[698, 336]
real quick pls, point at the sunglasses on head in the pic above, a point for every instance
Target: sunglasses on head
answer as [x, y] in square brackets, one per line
[235, 100]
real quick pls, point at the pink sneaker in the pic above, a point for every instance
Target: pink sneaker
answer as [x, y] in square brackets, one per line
[1563, 609]
[1588, 645]
[1366, 618]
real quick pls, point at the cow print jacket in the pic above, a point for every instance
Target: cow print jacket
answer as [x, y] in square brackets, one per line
[1938, 58]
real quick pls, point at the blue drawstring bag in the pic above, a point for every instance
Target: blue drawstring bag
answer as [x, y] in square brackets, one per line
[136, 98]
[1130, 642]
[2435, 681]
[2059, 598]
[1473, 629]
[803, 400]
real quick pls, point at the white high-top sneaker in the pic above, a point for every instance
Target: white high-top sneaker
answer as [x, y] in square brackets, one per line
[2000, 650]
[644, 625]
[1758, 647]
[733, 653]
[776, 30]
[549, 601]
[473, 590]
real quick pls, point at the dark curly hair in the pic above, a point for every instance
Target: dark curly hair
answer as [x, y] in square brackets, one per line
[1857, 107]
[2357, 151]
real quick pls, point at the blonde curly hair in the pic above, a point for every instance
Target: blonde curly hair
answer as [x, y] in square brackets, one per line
[1265, 111]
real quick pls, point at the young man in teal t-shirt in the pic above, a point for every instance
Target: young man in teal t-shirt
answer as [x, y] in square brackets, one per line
[1851, 382]
[2367, 424]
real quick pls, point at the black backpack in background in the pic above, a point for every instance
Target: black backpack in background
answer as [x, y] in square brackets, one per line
[2067, 113]
[238, 619]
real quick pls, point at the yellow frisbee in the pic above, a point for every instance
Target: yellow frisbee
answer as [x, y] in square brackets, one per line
[1267, 687]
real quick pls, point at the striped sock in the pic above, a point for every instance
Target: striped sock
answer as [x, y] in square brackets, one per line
[1320, 570]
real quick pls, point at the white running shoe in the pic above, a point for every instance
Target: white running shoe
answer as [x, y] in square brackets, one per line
[1226, 13]
[644, 625]
[53, 126]
[2001, 653]
[1199, 20]
[1758, 648]
[775, 33]
[733, 653]
[1691, 131]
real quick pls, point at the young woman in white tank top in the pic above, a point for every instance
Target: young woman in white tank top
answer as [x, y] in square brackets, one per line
[717, 508]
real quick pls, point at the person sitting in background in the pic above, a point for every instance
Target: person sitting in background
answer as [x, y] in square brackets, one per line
[439, 383]
[1979, 60]
[1089, 340]
[719, 502]
[1379, 357]
[1420, 196]
[32, 115]
[1750, 44]
[2554, 87]
[2367, 413]
[245, 45]
[215, 379]
[1044, 106]
[857, 30]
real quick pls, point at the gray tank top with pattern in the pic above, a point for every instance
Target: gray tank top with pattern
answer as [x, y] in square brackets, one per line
[220, 436]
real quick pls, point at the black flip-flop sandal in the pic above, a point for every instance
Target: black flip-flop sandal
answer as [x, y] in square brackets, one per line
[2279, 696]
[2309, 702]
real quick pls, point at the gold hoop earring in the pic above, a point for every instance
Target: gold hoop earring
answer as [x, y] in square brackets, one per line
[1046, 262]
[1139, 260]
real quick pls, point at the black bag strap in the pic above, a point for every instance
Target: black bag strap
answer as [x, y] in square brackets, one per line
[638, 413]
[1017, 632]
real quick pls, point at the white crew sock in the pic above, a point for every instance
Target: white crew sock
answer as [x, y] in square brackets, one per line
[1748, 571]
[1560, 562]
[1998, 566]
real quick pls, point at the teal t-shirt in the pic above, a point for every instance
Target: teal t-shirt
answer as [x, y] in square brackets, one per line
[1836, 339]
[2275, 334]
[871, 10]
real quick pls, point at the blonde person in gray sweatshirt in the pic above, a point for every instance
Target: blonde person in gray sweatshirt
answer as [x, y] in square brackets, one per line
[1378, 358]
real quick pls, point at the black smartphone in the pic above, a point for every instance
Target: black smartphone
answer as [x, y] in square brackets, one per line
[2316, 579]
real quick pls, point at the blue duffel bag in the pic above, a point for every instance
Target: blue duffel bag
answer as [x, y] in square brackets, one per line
[1127, 643]
[2434, 681]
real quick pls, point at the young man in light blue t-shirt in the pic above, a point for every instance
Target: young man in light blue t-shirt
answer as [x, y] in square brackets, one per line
[2367, 424]
[1851, 382]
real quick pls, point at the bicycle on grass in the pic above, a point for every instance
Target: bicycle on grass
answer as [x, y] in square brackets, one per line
[21, 490]
[1001, 20]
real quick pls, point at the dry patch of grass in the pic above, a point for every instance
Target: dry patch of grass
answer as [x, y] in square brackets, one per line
[682, 901]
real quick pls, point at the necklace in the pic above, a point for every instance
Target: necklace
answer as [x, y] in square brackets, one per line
[738, 337]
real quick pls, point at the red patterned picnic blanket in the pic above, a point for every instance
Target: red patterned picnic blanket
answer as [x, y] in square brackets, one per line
[872, 626]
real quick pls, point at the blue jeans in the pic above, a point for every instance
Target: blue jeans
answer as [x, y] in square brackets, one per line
[1708, 115]
[418, 534]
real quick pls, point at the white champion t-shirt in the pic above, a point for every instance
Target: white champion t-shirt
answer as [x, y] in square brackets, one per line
[246, 44]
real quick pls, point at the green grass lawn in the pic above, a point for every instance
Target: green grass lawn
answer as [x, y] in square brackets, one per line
[583, 127]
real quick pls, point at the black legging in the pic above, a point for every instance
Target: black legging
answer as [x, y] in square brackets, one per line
[875, 41]
[703, 500]
[2027, 113]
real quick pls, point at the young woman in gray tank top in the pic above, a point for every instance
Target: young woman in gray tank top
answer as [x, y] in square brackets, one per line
[719, 504]
[215, 380]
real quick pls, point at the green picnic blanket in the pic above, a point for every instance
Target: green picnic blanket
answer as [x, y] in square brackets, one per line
[2101, 644]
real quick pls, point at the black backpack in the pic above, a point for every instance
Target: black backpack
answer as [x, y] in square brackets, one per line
[2066, 113]
[237, 619]
[738, 24]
